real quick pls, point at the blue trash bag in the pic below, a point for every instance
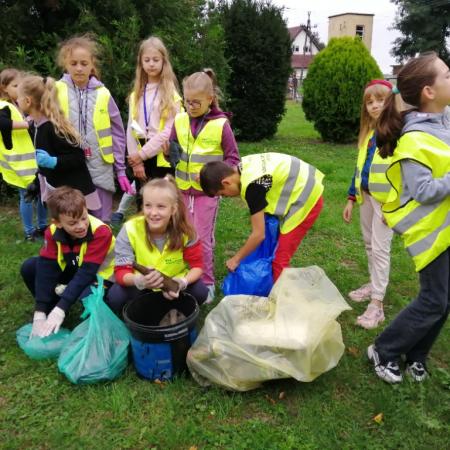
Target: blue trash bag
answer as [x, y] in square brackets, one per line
[97, 349]
[254, 275]
[41, 348]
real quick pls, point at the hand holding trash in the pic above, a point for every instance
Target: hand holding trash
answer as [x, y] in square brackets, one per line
[182, 285]
[152, 280]
[39, 319]
[53, 322]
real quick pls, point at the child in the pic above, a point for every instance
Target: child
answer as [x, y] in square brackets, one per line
[91, 109]
[376, 234]
[17, 156]
[59, 155]
[418, 208]
[153, 105]
[161, 238]
[77, 247]
[271, 183]
[204, 134]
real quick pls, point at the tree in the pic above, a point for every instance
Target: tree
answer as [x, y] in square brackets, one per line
[424, 26]
[333, 88]
[258, 50]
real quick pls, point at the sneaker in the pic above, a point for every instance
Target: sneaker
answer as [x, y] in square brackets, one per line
[389, 372]
[29, 237]
[371, 318]
[361, 294]
[117, 218]
[39, 233]
[211, 293]
[417, 371]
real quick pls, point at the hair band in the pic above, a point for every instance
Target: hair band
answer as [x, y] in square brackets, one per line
[395, 90]
[382, 82]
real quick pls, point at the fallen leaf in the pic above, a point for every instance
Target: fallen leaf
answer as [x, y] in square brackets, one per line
[353, 351]
[379, 418]
[193, 447]
[271, 400]
[282, 395]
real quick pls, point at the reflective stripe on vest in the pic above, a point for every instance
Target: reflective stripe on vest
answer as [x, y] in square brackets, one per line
[425, 229]
[168, 262]
[160, 159]
[100, 119]
[296, 186]
[379, 186]
[196, 152]
[17, 165]
[106, 269]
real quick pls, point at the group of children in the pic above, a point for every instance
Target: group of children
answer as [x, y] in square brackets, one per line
[183, 156]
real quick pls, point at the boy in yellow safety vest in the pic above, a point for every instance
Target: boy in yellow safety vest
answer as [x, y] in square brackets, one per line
[77, 247]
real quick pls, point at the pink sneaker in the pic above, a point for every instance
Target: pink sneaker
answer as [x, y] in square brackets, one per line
[371, 318]
[361, 294]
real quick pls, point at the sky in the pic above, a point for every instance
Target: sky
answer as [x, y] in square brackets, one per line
[296, 13]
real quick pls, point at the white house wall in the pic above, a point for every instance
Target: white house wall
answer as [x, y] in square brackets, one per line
[299, 42]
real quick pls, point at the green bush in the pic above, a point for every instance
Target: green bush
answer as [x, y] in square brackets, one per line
[333, 88]
[259, 55]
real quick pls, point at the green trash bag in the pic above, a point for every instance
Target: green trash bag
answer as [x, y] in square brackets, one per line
[41, 348]
[97, 349]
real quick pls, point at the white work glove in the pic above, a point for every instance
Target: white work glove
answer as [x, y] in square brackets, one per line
[38, 324]
[182, 285]
[152, 280]
[53, 322]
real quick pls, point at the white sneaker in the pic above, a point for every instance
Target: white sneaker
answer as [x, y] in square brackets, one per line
[211, 293]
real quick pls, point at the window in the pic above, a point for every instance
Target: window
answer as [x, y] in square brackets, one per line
[360, 31]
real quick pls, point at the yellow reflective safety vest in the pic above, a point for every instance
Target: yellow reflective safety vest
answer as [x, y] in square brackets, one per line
[296, 186]
[101, 119]
[18, 165]
[106, 269]
[379, 187]
[168, 262]
[425, 229]
[160, 159]
[196, 152]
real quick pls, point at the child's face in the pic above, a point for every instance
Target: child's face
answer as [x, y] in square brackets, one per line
[441, 86]
[11, 89]
[231, 187]
[152, 63]
[75, 227]
[197, 103]
[79, 66]
[374, 106]
[158, 207]
[23, 101]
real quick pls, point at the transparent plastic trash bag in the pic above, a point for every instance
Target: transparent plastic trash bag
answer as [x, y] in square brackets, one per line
[294, 333]
[97, 349]
[48, 347]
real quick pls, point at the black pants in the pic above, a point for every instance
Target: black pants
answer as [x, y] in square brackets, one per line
[413, 332]
[119, 295]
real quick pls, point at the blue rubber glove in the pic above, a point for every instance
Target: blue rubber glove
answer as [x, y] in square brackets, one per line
[45, 160]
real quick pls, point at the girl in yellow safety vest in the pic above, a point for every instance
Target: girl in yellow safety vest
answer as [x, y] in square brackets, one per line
[203, 134]
[376, 234]
[17, 156]
[418, 208]
[89, 106]
[161, 238]
[153, 105]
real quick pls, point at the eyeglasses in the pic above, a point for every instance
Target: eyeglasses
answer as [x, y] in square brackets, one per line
[194, 104]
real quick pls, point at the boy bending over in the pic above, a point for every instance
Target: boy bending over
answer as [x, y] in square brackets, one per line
[76, 247]
[271, 183]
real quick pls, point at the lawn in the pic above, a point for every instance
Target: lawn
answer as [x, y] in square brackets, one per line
[40, 409]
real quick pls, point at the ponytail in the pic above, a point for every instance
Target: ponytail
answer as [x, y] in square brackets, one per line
[204, 81]
[389, 127]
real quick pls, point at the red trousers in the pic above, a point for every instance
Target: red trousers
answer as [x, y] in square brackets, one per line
[289, 242]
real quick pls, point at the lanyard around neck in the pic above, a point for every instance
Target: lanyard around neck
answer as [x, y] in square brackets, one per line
[148, 116]
[82, 97]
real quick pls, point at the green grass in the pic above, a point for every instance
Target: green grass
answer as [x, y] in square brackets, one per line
[39, 408]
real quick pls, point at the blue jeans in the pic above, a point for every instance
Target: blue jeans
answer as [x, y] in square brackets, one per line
[26, 214]
[413, 332]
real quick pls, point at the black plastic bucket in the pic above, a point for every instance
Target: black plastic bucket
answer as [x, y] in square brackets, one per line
[159, 352]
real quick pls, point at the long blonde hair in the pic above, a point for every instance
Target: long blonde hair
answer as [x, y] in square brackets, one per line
[44, 97]
[367, 123]
[168, 84]
[7, 76]
[179, 224]
[85, 41]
